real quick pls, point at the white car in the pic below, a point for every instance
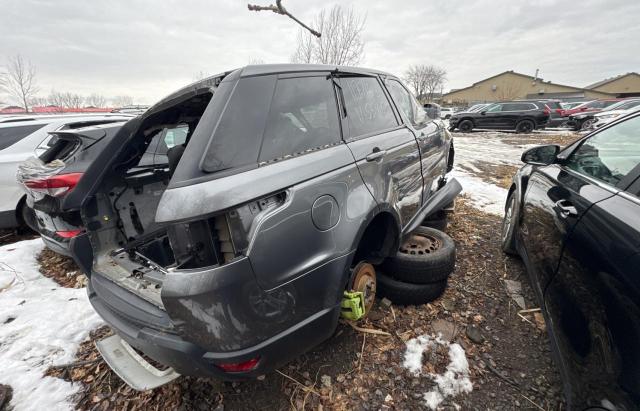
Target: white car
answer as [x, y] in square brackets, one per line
[22, 137]
[446, 112]
[606, 117]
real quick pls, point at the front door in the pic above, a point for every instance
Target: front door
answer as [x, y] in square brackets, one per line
[593, 300]
[385, 151]
[490, 117]
[429, 136]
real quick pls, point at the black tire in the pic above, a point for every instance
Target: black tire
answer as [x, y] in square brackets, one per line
[437, 221]
[525, 126]
[509, 225]
[587, 124]
[465, 126]
[27, 219]
[408, 294]
[423, 261]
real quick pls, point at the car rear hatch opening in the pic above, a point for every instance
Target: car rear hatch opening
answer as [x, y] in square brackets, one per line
[119, 212]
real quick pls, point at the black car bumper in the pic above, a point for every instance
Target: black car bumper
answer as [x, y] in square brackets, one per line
[149, 329]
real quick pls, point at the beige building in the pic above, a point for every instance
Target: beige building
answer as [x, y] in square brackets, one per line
[624, 85]
[511, 85]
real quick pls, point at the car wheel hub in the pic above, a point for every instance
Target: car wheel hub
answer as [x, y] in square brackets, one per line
[364, 281]
[420, 245]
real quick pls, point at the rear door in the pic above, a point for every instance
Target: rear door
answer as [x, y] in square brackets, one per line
[385, 150]
[594, 298]
[429, 136]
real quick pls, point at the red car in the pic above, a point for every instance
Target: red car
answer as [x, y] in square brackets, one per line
[591, 106]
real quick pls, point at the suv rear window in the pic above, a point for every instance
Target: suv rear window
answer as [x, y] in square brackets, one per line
[368, 109]
[11, 135]
[303, 116]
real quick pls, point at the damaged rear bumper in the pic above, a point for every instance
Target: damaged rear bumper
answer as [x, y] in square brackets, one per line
[185, 341]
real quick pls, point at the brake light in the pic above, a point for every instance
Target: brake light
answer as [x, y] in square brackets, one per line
[68, 234]
[547, 110]
[240, 366]
[56, 185]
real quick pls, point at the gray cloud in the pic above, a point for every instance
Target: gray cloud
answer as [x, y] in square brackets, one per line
[149, 48]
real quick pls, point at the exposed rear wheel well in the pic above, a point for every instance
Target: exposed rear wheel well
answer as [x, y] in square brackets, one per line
[379, 240]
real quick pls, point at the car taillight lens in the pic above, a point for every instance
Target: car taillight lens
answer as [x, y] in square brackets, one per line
[240, 366]
[68, 234]
[546, 110]
[56, 185]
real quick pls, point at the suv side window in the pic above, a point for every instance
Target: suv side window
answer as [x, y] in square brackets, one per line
[171, 137]
[610, 155]
[368, 109]
[494, 108]
[407, 103]
[303, 117]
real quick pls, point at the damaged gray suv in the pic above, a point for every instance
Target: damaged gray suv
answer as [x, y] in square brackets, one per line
[235, 257]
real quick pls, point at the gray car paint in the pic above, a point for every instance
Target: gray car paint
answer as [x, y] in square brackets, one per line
[294, 266]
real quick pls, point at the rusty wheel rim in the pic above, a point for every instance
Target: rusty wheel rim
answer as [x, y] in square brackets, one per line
[364, 280]
[420, 245]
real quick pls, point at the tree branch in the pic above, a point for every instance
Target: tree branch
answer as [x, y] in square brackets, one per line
[278, 8]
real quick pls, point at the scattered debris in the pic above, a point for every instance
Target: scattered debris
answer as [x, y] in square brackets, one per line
[474, 334]
[63, 270]
[445, 329]
[514, 290]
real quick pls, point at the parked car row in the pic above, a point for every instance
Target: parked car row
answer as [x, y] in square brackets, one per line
[586, 119]
[227, 228]
[528, 115]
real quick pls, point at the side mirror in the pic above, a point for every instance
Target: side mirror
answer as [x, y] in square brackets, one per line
[483, 112]
[541, 155]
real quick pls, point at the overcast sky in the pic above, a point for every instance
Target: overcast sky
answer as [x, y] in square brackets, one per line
[147, 49]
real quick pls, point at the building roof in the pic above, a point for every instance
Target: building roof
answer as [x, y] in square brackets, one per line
[609, 80]
[532, 78]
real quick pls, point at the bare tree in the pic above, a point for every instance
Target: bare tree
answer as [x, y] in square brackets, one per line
[341, 42]
[435, 81]
[96, 100]
[20, 81]
[55, 98]
[278, 8]
[72, 100]
[425, 80]
[121, 101]
[415, 76]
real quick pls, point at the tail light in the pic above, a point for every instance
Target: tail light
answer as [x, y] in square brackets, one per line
[68, 234]
[240, 366]
[55, 185]
[547, 111]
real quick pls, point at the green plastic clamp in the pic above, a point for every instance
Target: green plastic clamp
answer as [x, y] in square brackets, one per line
[352, 305]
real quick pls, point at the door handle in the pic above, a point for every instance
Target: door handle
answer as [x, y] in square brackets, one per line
[376, 154]
[565, 209]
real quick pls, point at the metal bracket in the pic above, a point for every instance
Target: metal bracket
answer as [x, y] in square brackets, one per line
[131, 367]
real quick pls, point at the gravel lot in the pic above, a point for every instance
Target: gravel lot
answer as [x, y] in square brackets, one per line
[507, 349]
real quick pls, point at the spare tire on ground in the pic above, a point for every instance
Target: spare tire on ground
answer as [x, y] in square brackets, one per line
[408, 294]
[437, 221]
[426, 256]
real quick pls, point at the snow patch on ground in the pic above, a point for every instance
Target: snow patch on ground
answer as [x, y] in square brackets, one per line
[41, 324]
[487, 147]
[455, 379]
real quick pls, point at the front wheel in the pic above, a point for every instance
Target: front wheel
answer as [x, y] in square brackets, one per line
[587, 124]
[465, 126]
[508, 232]
[525, 126]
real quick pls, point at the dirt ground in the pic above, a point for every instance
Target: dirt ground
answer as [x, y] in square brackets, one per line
[360, 368]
